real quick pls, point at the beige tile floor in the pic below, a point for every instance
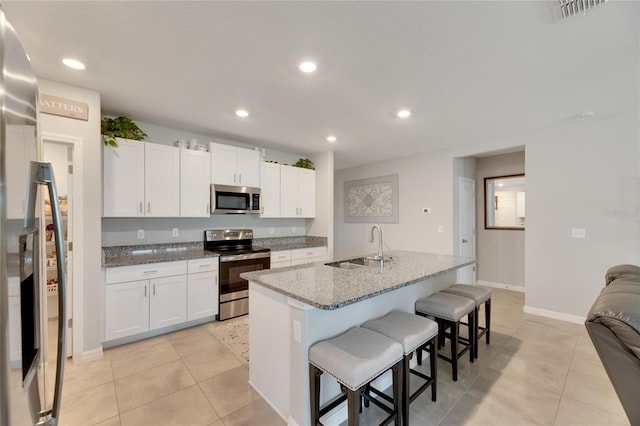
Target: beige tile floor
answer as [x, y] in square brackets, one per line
[536, 371]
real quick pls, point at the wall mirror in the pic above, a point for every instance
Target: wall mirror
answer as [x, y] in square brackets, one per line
[504, 201]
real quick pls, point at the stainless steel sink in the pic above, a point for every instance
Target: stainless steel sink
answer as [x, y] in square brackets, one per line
[357, 263]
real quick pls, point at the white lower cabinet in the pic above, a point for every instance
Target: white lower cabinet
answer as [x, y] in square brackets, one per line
[143, 298]
[127, 309]
[168, 301]
[282, 258]
[202, 285]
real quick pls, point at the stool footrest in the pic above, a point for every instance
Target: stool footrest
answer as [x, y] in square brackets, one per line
[423, 387]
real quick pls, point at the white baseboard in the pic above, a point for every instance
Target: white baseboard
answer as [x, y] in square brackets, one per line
[555, 315]
[88, 355]
[287, 419]
[501, 285]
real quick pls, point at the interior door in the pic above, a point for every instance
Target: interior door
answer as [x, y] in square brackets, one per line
[467, 275]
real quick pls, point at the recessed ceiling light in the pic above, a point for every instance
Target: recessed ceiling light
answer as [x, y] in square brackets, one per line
[501, 184]
[586, 114]
[331, 139]
[242, 113]
[307, 67]
[72, 63]
[404, 113]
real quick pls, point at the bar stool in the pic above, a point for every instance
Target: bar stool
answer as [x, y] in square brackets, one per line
[414, 333]
[479, 295]
[447, 310]
[355, 358]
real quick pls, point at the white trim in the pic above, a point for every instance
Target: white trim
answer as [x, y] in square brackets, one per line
[554, 315]
[501, 285]
[82, 357]
[288, 419]
[78, 242]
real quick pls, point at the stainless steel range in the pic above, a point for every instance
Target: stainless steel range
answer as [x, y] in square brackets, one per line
[237, 255]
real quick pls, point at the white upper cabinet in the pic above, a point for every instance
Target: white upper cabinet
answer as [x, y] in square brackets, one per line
[161, 180]
[195, 175]
[141, 179]
[123, 179]
[234, 166]
[270, 189]
[21, 145]
[297, 192]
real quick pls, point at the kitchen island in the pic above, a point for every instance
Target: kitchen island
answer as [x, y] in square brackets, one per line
[293, 308]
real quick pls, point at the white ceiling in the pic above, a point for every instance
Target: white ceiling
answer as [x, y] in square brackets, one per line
[469, 71]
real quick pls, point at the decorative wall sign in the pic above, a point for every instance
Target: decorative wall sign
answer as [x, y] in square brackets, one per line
[64, 107]
[372, 200]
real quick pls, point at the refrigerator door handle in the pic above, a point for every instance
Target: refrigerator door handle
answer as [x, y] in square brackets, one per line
[42, 174]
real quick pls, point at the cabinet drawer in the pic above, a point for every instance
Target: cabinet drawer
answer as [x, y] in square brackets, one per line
[280, 256]
[202, 265]
[144, 272]
[308, 253]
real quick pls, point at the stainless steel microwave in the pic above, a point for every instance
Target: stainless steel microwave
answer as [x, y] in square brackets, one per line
[226, 199]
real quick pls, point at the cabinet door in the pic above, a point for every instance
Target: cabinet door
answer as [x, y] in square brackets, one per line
[270, 194]
[21, 147]
[202, 295]
[168, 303]
[195, 177]
[223, 164]
[288, 191]
[248, 167]
[161, 180]
[123, 180]
[306, 193]
[126, 309]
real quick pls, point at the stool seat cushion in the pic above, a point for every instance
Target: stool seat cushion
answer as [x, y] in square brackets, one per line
[446, 306]
[478, 294]
[356, 357]
[407, 329]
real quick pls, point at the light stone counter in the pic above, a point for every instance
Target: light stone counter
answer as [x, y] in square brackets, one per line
[327, 287]
[292, 308]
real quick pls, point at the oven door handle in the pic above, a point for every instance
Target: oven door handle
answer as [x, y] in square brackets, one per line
[236, 257]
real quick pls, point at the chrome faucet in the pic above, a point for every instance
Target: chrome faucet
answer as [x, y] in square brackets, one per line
[380, 255]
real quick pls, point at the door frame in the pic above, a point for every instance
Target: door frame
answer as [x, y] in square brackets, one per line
[77, 218]
[461, 181]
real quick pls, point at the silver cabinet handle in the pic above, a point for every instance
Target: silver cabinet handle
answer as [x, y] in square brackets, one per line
[207, 211]
[145, 291]
[205, 265]
[154, 271]
[42, 174]
[149, 207]
[154, 289]
[234, 178]
[465, 241]
[140, 206]
[240, 178]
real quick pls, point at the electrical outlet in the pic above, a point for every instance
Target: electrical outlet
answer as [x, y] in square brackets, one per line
[271, 229]
[578, 233]
[297, 331]
[294, 229]
[175, 232]
[426, 210]
[440, 228]
[140, 234]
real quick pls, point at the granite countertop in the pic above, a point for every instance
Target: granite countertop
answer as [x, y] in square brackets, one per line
[153, 253]
[290, 243]
[327, 287]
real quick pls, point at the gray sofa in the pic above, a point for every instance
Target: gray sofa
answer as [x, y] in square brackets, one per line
[613, 323]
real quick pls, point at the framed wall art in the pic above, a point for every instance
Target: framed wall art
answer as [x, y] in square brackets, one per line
[373, 200]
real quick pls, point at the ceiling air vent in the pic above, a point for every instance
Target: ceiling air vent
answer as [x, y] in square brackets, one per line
[573, 7]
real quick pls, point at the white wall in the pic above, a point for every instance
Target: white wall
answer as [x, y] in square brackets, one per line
[500, 252]
[424, 181]
[580, 176]
[575, 175]
[89, 202]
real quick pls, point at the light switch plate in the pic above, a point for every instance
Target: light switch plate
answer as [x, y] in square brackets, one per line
[440, 228]
[175, 232]
[294, 229]
[578, 233]
[297, 331]
[140, 234]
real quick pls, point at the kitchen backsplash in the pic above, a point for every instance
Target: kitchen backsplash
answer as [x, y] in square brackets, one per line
[123, 231]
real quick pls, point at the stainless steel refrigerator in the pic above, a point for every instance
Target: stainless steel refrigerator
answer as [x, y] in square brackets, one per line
[26, 396]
